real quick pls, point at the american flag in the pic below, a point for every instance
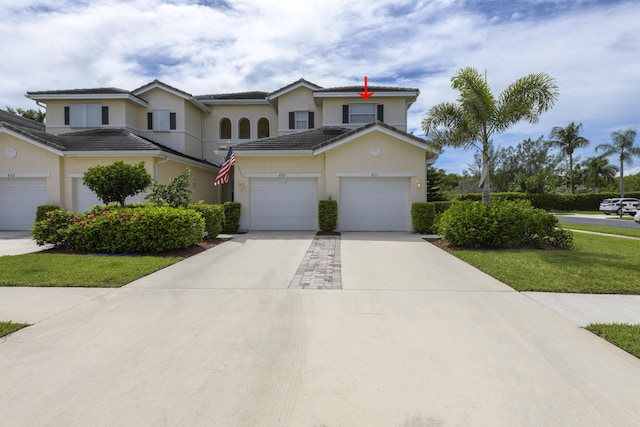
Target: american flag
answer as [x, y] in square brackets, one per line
[223, 175]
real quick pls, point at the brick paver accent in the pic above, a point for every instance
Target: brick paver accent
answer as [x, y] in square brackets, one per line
[320, 267]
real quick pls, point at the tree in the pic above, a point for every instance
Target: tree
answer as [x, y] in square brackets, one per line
[568, 140]
[114, 183]
[175, 194]
[32, 114]
[478, 115]
[622, 144]
[599, 167]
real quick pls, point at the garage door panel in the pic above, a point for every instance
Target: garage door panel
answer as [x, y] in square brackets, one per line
[374, 204]
[20, 199]
[284, 204]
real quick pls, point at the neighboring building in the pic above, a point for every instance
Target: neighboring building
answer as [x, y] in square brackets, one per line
[295, 146]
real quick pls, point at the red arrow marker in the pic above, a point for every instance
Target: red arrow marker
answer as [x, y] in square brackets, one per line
[366, 94]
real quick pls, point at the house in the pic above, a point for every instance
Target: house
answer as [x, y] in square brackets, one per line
[293, 147]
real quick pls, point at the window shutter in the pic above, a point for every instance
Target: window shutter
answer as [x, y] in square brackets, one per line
[292, 120]
[381, 112]
[345, 114]
[105, 115]
[66, 116]
[149, 120]
[172, 120]
[311, 120]
[78, 115]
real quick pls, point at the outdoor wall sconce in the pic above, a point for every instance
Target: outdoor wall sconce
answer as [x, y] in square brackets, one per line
[418, 184]
[241, 184]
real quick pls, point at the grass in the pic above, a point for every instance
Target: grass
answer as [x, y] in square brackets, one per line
[7, 328]
[631, 232]
[627, 337]
[68, 270]
[598, 264]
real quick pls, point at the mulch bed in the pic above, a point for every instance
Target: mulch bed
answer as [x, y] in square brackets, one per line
[440, 243]
[184, 252]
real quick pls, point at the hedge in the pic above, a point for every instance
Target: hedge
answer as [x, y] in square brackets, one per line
[213, 218]
[113, 229]
[231, 217]
[41, 211]
[328, 215]
[554, 202]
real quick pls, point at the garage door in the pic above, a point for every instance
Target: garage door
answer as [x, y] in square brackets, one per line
[20, 198]
[374, 204]
[284, 204]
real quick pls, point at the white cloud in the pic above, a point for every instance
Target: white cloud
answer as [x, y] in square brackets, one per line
[590, 47]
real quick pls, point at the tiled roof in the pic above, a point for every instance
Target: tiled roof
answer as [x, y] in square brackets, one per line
[17, 120]
[371, 89]
[239, 95]
[313, 139]
[305, 140]
[96, 91]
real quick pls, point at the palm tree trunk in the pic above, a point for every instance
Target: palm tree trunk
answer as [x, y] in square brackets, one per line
[485, 180]
[571, 174]
[621, 177]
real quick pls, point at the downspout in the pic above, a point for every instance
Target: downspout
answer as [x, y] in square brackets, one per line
[202, 134]
[155, 172]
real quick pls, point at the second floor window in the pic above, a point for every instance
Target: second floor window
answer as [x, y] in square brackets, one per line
[362, 113]
[301, 120]
[86, 115]
[161, 120]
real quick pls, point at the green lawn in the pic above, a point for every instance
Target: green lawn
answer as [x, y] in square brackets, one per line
[598, 264]
[42, 269]
[627, 337]
[7, 328]
[632, 232]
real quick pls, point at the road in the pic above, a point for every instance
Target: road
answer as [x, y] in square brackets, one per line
[611, 221]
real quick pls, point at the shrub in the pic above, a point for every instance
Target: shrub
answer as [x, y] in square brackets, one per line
[122, 230]
[328, 215]
[231, 216]
[175, 194]
[504, 224]
[423, 216]
[552, 201]
[213, 218]
[116, 182]
[41, 211]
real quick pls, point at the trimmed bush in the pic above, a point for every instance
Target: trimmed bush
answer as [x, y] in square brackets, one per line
[213, 218]
[41, 211]
[122, 230]
[328, 215]
[423, 217]
[231, 216]
[552, 201]
[504, 224]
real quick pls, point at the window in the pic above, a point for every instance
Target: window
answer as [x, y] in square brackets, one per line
[362, 113]
[244, 128]
[225, 128]
[263, 128]
[301, 120]
[86, 115]
[161, 121]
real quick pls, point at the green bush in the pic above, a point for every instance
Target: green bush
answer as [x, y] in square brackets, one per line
[503, 224]
[122, 230]
[328, 215]
[213, 218]
[175, 194]
[41, 211]
[116, 182]
[231, 216]
[423, 217]
[552, 201]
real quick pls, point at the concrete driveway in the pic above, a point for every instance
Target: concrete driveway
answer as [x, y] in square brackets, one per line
[414, 338]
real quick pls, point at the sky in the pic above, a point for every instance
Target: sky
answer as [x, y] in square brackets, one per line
[591, 48]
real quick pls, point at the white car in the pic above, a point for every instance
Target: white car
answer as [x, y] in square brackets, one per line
[619, 206]
[637, 217]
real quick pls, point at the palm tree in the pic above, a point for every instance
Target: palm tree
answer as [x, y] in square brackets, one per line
[622, 144]
[599, 167]
[478, 115]
[568, 140]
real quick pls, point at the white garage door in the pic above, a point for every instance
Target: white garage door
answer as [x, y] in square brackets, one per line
[19, 200]
[374, 204]
[85, 199]
[284, 204]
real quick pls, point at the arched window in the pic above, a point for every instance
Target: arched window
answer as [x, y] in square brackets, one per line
[225, 128]
[244, 128]
[263, 128]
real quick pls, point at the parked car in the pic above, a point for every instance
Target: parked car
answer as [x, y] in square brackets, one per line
[637, 217]
[619, 206]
